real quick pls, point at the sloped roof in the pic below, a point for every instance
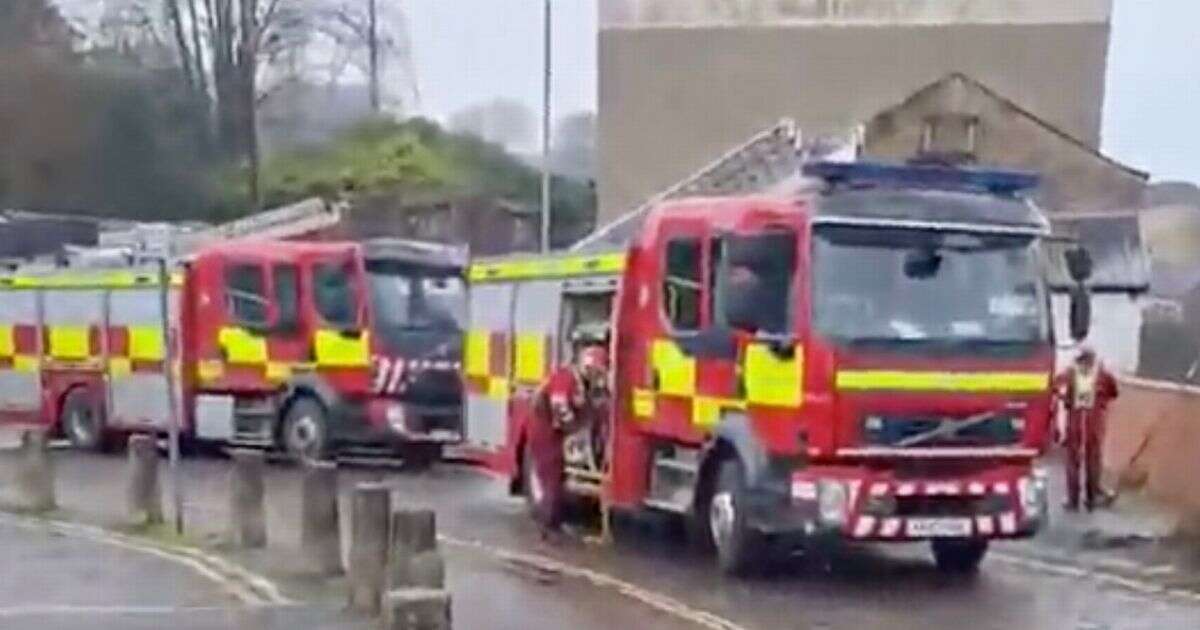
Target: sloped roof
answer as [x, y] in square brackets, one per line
[960, 77]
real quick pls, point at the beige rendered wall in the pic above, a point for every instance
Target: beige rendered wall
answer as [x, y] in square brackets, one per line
[1074, 178]
[673, 97]
[1153, 446]
[711, 12]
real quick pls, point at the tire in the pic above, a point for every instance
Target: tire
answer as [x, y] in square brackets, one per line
[737, 545]
[305, 432]
[83, 423]
[421, 457]
[958, 556]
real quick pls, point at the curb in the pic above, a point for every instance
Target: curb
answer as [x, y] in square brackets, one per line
[249, 588]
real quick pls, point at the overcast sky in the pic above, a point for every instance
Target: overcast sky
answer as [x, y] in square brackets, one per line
[473, 50]
[469, 51]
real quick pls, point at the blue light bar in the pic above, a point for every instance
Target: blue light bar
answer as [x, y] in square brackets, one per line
[936, 177]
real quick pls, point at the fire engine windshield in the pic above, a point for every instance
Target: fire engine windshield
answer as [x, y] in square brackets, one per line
[409, 299]
[902, 286]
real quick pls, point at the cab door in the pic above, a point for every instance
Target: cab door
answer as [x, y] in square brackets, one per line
[674, 321]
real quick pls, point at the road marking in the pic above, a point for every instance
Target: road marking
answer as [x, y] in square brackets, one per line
[658, 601]
[249, 588]
[1141, 587]
[90, 611]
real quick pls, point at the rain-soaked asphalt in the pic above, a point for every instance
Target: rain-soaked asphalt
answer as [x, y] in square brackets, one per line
[896, 588]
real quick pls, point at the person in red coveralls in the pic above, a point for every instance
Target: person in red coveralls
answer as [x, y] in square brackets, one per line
[572, 397]
[1085, 389]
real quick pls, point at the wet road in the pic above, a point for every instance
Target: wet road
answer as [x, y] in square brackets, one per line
[896, 588]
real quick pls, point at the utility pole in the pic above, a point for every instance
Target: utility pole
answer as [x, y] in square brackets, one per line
[373, 52]
[171, 357]
[546, 76]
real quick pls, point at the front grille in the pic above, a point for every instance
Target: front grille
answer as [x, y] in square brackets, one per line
[891, 431]
[434, 387]
[947, 506]
[421, 420]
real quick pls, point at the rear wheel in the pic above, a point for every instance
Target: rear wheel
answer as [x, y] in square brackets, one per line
[738, 545]
[305, 434]
[959, 556]
[82, 421]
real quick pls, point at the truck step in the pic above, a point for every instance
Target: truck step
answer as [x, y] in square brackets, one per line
[668, 506]
[673, 480]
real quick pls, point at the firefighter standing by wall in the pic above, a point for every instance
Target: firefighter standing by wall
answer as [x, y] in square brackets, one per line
[1085, 389]
[574, 396]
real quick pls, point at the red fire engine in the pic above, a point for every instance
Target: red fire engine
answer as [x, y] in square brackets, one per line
[303, 346]
[868, 359]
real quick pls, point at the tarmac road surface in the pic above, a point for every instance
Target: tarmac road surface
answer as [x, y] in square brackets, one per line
[650, 578]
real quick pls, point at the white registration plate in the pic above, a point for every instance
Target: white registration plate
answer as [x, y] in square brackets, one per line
[939, 527]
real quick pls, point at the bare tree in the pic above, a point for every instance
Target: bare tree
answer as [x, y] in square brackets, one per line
[368, 35]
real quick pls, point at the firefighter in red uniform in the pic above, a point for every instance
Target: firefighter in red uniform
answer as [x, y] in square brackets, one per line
[574, 396]
[1085, 389]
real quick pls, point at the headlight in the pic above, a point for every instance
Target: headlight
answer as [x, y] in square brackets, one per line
[832, 502]
[395, 417]
[1032, 493]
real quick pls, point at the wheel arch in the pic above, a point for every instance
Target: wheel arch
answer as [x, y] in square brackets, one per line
[733, 438]
[94, 393]
[314, 388]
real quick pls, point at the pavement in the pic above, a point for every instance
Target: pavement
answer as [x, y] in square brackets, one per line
[503, 575]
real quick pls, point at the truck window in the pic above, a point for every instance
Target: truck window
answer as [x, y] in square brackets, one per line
[767, 261]
[333, 292]
[245, 295]
[287, 295]
[681, 284]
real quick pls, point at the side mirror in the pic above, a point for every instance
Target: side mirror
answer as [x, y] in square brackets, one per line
[1079, 264]
[1081, 313]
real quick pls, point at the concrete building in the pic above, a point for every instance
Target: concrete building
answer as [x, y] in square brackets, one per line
[681, 81]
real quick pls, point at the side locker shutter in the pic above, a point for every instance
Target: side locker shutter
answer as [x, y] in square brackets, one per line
[19, 369]
[535, 324]
[137, 359]
[486, 364]
[72, 320]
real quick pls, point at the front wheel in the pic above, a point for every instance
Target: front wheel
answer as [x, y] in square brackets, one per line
[737, 544]
[959, 556]
[305, 434]
[82, 422]
[421, 457]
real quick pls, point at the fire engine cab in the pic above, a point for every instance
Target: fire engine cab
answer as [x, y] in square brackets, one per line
[307, 347]
[866, 359]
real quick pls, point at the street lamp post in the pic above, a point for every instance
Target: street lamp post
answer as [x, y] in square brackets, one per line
[546, 90]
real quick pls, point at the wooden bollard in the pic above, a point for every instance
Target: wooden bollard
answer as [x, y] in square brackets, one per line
[417, 609]
[248, 524]
[35, 473]
[414, 560]
[320, 535]
[145, 493]
[370, 508]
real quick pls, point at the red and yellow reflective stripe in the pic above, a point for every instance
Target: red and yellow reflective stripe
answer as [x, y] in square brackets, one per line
[546, 268]
[530, 360]
[936, 381]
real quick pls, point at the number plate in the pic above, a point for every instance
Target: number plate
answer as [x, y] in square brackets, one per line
[939, 527]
